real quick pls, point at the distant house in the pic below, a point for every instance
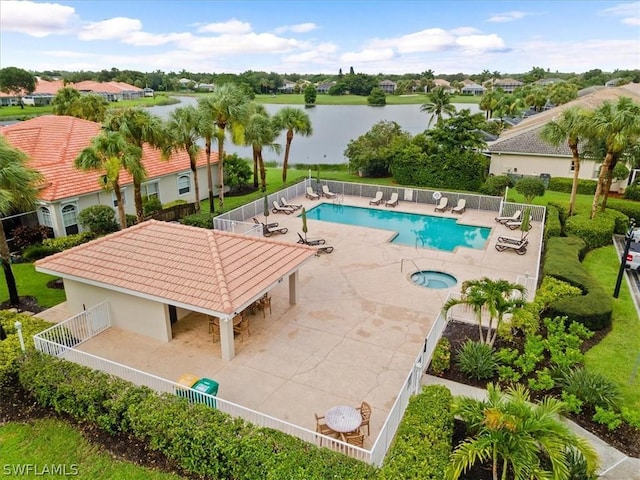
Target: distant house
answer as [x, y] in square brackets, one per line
[613, 82]
[444, 84]
[205, 87]
[507, 84]
[324, 87]
[287, 87]
[110, 91]
[148, 92]
[387, 86]
[471, 88]
[52, 143]
[548, 81]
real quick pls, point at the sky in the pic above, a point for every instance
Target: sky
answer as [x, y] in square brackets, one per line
[321, 36]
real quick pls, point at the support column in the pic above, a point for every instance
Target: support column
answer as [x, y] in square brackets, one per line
[293, 288]
[227, 344]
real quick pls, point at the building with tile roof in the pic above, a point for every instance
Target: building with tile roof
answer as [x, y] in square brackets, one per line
[521, 151]
[156, 272]
[53, 142]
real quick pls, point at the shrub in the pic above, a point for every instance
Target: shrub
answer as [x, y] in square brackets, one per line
[202, 220]
[553, 226]
[620, 220]
[605, 416]
[496, 185]
[629, 208]
[131, 220]
[593, 389]
[632, 192]
[63, 243]
[24, 236]
[572, 403]
[151, 205]
[564, 345]
[422, 444]
[237, 171]
[563, 210]
[36, 252]
[542, 381]
[530, 188]
[597, 232]
[99, 219]
[561, 184]
[477, 360]
[441, 360]
[174, 203]
[532, 354]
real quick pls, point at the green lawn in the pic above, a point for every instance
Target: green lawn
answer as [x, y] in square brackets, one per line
[33, 284]
[617, 356]
[323, 99]
[52, 442]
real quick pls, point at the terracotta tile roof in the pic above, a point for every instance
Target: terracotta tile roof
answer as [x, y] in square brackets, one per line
[52, 142]
[108, 87]
[211, 270]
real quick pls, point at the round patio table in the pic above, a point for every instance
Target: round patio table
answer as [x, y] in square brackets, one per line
[343, 418]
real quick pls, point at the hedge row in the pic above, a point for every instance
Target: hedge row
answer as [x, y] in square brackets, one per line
[560, 184]
[422, 445]
[202, 440]
[562, 261]
[553, 226]
[597, 232]
[630, 209]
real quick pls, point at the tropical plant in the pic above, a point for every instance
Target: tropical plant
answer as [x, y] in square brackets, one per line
[441, 359]
[519, 439]
[99, 219]
[90, 107]
[570, 127]
[207, 130]
[63, 102]
[477, 360]
[184, 132]
[228, 108]
[489, 102]
[109, 153]
[439, 103]
[377, 97]
[496, 297]
[591, 388]
[310, 95]
[260, 132]
[293, 120]
[530, 188]
[18, 192]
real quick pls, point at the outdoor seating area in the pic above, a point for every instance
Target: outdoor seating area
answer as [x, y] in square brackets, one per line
[377, 200]
[241, 322]
[285, 203]
[277, 208]
[345, 422]
[326, 193]
[315, 242]
[442, 205]
[393, 200]
[311, 195]
[269, 229]
[510, 218]
[460, 207]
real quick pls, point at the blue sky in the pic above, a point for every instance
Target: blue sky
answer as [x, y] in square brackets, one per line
[321, 36]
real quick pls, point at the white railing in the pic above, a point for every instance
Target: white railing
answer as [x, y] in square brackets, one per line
[530, 283]
[244, 228]
[509, 208]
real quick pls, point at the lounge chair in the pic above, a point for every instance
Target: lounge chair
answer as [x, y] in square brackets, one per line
[460, 207]
[513, 218]
[311, 195]
[270, 225]
[514, 225]
[327, 193]
[520, 247]
[284, 203]
[269, 229]
[316, 242]
[393, 200]
[277, 208]
[377, 200]
[442, 206]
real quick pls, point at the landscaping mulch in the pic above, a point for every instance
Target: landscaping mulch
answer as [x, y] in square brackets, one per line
[27, 304]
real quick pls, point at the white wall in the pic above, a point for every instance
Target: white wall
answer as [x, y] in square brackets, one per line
[504, 163]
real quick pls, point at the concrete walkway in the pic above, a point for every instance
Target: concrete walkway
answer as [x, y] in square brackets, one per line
[614, 465]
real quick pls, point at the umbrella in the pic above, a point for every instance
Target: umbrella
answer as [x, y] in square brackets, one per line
[266, 208]
[525, 224]
[304, 222]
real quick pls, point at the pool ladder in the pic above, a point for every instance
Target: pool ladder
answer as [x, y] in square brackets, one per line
[408, 260]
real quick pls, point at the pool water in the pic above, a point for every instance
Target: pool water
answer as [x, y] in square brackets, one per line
[433, 279]
[420, 231]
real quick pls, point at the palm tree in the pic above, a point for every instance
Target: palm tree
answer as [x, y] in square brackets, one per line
[489, 102]
[63, 102]
[138, 127]
[495, 297]
[293, 120]
[438, 104]
[261, 132]
[618, 125]
[570, 127]
[18, 192]
[183, 128]
[109, 152]
[228, 107]
[521, 440]
[207, 129]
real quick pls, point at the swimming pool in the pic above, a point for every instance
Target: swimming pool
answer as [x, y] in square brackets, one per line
[424, 231]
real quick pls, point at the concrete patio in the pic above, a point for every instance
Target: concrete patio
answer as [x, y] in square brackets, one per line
[353, 335]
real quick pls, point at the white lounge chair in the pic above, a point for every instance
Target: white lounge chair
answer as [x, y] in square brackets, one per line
[393, 200]
[327, 193]
[442, 206]
[513, 218]
[377, 200]
[311, 194]
[505, 243]
[460, 207]
[515, 224]
[285, 203]
[277, 208]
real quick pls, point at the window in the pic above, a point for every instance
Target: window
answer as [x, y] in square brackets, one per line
[573, 165]
[150, 190]
[45, 217]
[70, 219]
[123, 192]
[184, 184]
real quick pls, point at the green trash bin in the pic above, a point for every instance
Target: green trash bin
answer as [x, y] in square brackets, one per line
[206, 385]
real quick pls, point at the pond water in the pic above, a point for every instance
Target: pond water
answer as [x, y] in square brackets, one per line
[333, 127]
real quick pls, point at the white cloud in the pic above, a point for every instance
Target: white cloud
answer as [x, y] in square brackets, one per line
[507, 16]
[429, 40]
[368, 55]
[481, 43]
[116, 28]
[36, 19]
[630, 12]
[241, 44]
[230, 27]
[66, 54]
[144, 39]
[298, 28]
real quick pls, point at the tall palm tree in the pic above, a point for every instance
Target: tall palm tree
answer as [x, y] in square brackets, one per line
[208, 130]
[521, 440]
[63, 102]
[261, 132]
[618, 125]
[439, 103]
[183, 128]
[228, 107]
[489, 102]
[495, 297]
[293, 120]
[570, 127]
[109, 153]
[138, 127]
[18, 192]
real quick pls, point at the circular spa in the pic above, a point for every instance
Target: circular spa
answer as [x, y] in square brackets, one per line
[433, 279]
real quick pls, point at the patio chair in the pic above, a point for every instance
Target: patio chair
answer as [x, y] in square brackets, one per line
[242, 328]
[353, 438]
[460, 207]
[270, 225]
[442, 205]
[263, 304]
[311, 195]
[324, 429]
[520, 247]
[515, 224]
[327, 193]
[365, 412]
[514, 241]
[268, 231]
[277, 208]
[513, 218]
[377, 200]
[285, 203]
[315, 242]
[393, 200]
[214, 328]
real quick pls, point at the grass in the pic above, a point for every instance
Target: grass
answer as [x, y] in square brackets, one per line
[324, 99]
[53, 443]
[617, 356]
[33, 284]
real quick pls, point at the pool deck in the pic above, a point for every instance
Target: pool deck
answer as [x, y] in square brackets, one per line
[354, 334]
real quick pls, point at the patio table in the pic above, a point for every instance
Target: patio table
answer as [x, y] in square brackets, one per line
[343, 418]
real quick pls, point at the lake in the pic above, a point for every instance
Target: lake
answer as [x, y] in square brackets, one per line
[334, 126]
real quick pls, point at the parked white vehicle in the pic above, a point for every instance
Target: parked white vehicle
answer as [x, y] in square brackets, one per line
[633, 257]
